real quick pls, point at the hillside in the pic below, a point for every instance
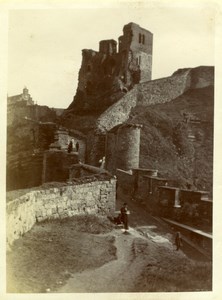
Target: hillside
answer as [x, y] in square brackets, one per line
[177, 137]
[90, 254]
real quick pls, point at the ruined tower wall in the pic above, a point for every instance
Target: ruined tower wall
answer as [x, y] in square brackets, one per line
[137, 44]
[106, 72]
[128, 147]
[123, 148]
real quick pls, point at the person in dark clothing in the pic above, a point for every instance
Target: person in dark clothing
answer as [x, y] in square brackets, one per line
[178, 240]
[70, 147]
[77, 146]
[124, 216]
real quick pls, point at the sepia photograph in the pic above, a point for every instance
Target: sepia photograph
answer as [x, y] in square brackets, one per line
[110, 148]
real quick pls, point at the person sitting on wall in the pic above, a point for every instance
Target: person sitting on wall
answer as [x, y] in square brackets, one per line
[124, 216]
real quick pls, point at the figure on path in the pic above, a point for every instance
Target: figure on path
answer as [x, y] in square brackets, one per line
[178, 240]
[124, 216]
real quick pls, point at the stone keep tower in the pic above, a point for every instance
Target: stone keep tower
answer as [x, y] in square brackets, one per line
[135, 47]
[104, 74]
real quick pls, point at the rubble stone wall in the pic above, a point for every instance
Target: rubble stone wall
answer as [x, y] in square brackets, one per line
[97, 197]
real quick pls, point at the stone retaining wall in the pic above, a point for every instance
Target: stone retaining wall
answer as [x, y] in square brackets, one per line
[97, 197]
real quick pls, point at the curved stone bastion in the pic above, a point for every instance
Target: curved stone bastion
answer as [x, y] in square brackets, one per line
[96, 195]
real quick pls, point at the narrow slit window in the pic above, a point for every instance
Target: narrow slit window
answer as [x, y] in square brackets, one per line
[143, 39]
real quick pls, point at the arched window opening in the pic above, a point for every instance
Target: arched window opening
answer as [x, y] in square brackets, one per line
[140, 38]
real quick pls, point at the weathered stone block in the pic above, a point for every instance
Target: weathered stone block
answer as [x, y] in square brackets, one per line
[60, 210]
[39, 213]
[49, 212]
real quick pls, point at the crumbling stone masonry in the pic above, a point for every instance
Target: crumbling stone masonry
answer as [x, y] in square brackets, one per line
[123, 147]
[108, 71]
[95, 197]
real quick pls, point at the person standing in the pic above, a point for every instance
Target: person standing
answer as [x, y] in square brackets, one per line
[70, 147]
[124, 216]
[77, 146]
[102, 162]
[178, 240]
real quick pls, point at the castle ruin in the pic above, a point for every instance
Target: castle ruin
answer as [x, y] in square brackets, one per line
[111, 83]
[110, 71]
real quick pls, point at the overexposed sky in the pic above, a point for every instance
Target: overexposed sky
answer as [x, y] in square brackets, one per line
[44, 45]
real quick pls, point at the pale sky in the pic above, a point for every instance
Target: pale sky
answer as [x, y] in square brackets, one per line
[44, 46]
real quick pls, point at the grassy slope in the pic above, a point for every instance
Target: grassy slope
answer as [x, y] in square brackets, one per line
[51, 252]
[48, 254]
[164, 139]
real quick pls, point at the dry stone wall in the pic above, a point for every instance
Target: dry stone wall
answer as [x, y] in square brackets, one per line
[96, 197]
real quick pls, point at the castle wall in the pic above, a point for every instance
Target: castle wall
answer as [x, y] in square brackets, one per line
[141, 190]
[17, 112]
[56, 165]
[62, 138]
[199, 77]
[119, 112]
[162, 90]
[97, 197]
[24, 172]
[95, 148]
[154, 92]
[147, 93]
[83, 170]
[125, 183]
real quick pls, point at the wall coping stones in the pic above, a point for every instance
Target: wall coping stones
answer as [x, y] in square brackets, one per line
[90, 168]
[142, 169]
[169, 187]
[155, 177]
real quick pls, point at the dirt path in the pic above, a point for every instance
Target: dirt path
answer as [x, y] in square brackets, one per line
[115, 276]
[100, 258]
